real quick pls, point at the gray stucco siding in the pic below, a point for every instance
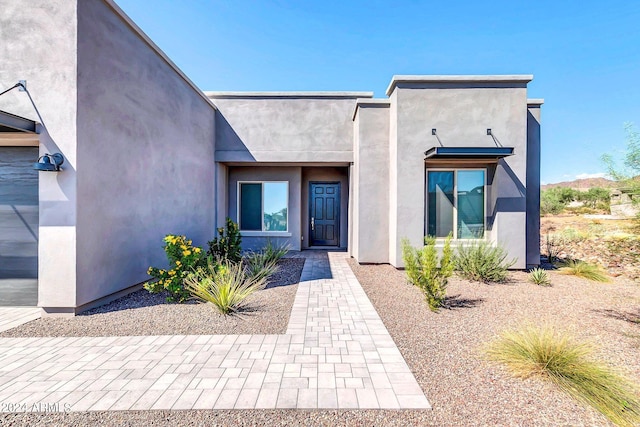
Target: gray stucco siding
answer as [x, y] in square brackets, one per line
[145, 153]
[284, 129]
[38, 44]
[370, 224]
[533, 184]
[461, 117]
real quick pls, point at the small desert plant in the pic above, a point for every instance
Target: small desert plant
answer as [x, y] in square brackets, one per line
[427, 272]
[482, 262]
[556, 244]
[533, 351]
[273, 253]
[259, 265]
[224, 285]
[585, 270]
[226, 246]
[539, 277]
[183, 258]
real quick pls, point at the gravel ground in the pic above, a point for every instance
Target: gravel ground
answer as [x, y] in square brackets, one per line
[142, 313]
[443, 349]
[443, 352]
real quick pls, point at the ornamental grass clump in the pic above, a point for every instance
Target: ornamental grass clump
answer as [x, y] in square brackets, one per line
[274, 253]
[183, 257]
[428, 271]
[529, 351]
[585, 270]
[482, 262]
[226, 285]
[539, 277]
[260, 265]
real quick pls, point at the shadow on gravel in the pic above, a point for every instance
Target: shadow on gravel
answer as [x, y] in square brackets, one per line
[288, 273]
[629, 316]
[454, 301]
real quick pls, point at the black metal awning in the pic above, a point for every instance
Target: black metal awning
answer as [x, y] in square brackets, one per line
[12, 123]
[480, 153]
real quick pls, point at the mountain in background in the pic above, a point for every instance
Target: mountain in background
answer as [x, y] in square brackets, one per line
[582, 184]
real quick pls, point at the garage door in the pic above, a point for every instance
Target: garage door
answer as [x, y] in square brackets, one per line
[18, 226]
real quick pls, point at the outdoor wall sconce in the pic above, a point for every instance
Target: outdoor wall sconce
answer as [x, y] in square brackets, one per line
[49, 163]
[433, 131]
[489, 132]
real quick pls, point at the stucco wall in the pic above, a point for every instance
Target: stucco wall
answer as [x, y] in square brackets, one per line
[145, 155]
[371, 184]
[284, 129]
[38, 44]
[461, 113]
[533, 184]
[293, 175]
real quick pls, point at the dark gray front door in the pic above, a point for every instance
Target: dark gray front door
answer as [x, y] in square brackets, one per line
[324, 213]
[18, 226]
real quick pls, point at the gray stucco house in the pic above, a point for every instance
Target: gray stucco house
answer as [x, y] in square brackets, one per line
[147, 153]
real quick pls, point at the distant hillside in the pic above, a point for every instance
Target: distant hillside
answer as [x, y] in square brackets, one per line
[583, 184]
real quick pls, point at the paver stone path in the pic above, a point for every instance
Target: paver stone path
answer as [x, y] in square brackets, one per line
[336, 353]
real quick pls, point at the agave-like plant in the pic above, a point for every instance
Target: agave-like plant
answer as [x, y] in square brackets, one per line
[539, 277]
[226, 286]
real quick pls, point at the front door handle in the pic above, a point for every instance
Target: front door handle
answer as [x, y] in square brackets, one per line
[313, 224]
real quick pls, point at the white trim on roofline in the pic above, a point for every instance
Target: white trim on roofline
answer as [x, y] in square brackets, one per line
[507, 78]
[307, 94]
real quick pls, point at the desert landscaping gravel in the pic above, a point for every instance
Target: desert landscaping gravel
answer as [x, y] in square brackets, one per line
[444, 352]
[142, 313]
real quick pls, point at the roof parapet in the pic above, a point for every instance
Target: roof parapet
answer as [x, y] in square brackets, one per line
[370, 102]
[289, 95]
[460, 79]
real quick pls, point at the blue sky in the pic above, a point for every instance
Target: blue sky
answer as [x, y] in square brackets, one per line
[585, 55]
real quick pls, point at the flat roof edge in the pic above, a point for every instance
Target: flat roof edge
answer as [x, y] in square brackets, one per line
[496, 78]
[535, 101]
[369, 102]
[292, 95]
[145, 38]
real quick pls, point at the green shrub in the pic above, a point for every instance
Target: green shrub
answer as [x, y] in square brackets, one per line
[226, 247]
[585, 270]
[596, 198]
[259, 265]
[183, 258]
[531, 351]
[539, 277]
[555, 244]
[427, 272]
[226, 285]
[482, 262]
[273, 253]
[550, 205]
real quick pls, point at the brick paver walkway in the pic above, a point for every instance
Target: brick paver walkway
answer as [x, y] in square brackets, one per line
[336, 354]
[10, 317]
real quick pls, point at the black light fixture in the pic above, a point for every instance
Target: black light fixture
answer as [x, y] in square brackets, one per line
[49, 163]
[433, 132]
[489, 132]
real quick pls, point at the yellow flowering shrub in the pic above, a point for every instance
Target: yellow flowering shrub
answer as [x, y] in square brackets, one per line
[183, 258]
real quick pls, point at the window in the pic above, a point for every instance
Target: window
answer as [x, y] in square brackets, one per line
[456, 203]
[263, 206]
